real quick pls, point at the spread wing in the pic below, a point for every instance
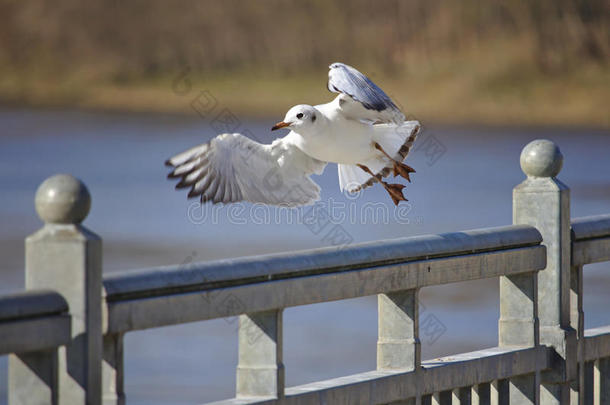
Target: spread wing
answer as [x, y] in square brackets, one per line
[360, 98]
[233, 168]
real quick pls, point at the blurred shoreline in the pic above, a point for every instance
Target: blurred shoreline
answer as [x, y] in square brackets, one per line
[543, 101]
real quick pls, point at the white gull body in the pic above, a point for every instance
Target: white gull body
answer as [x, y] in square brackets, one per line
[232, 167]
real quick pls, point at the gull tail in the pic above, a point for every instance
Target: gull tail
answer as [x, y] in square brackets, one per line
[396, 140]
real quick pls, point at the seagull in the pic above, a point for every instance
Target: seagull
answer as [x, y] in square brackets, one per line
[361, 130]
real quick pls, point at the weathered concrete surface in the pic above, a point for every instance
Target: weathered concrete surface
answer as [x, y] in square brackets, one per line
[260, 371]
[33, 379]
[398, 344]
[231, 272]
[544, 202]
[443, 374]
[66, 257]
[263, 296]
[518, 324]
[113, 365]
[480, 394]
[590, 251]
[31, 304]
[596, 226]
[601, 381]
[597, 343]
[32, 321]
[34, 334]
[577, 321]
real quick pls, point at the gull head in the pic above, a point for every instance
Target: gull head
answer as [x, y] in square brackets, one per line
[299, 118]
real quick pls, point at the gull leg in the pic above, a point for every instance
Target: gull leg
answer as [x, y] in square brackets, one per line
[399, 167]
[394, 190]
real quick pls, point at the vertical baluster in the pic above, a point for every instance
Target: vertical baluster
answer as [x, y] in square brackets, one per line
[588, 388]
[601, 381]
[398, 345]
[518, 326]
[577, 321]
[442, 398]
[498, 392]
[112, 370]
[260, 371]
[460, 396]
[479, 394]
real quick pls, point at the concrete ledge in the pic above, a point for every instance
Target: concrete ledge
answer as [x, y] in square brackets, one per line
[381, 387]
[32, 321]
[34, 334]
[229, 273]
[588, 251]
[126, 315]
[597, 343]
[29, 304]
[596, 226]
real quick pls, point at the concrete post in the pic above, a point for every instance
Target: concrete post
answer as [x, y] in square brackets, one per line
[66, 257]
[544, 202]
[260, 371]
[398, 345]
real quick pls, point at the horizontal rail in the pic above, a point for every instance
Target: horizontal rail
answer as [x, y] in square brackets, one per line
[33, 321]
[381, 387]
[213, 303]
[590, 240]
[232, 272]
[589, 251]
[596, 226]
[31, 304]
[597, 343]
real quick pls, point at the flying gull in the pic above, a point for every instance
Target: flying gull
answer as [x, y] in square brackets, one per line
[361, 130]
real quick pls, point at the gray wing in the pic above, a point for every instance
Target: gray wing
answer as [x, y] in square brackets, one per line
[233, 168]
[366, 100]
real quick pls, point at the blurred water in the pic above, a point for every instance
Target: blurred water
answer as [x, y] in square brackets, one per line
[464, 180]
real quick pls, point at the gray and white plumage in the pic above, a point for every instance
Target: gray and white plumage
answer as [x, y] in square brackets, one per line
[363, 95]
[361, 128]
[233, 168]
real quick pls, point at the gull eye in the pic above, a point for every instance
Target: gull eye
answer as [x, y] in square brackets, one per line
[300, 115]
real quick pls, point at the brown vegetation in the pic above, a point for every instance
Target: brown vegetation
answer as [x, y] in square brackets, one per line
[514, 53]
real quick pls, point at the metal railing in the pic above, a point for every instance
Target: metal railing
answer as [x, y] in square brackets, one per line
[544, 355]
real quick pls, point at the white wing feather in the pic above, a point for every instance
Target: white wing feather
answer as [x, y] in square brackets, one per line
[233, 168]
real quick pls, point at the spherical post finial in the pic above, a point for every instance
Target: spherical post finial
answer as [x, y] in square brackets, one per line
[62, 199]
[541, 158]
